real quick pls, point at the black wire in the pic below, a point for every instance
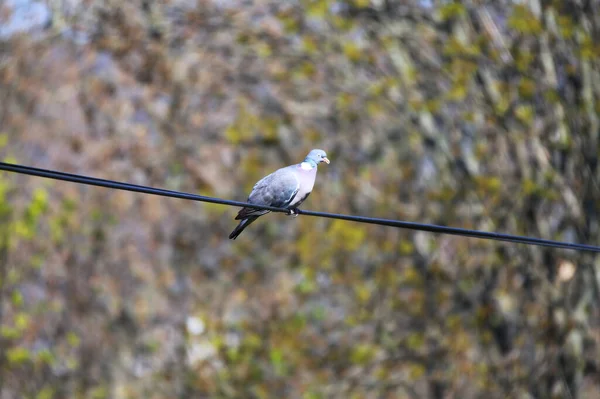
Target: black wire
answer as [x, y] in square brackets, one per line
[28, 170]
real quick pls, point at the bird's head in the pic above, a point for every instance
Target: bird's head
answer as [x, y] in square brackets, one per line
[315, 157]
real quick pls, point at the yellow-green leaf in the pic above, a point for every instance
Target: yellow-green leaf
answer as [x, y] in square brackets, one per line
[522, 20]
[352, 51]
[17, 355]
[451, 10]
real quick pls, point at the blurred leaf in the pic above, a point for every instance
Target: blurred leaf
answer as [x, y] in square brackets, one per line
[526, 88]
[352, 51]
[253, 341]
[232, 134]
[524, 60]
[347, 235]
[343, 24]
[502, 106]
[306, 69]
[362, 354]
[458, 92]
[589, 49]
[363, 292]
[17, 355]
[454, 47]
[411, 276]
[344, 101]
[551, 96]
[566, 26]
[406, 247]
[415, 341]
[524, 113]
[319, 313]
[9, 332]
[73, 339]
[453, 322]
[297, 322]
[3, 140]
[22, 321]
[416, 371]
[290, 23]
[374, 109]
[263, 49]
[17, 298]
[316, 8]
[523, 21]
[451, 10]
[99, 392]
[312, 395]
[278, 361]
[309, 45]
[361, 3]
[45, 357]
[529, 187]
[46, 393]
[307, 284]
[10, 159]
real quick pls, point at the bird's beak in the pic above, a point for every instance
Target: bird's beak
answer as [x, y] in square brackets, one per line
[326, 160]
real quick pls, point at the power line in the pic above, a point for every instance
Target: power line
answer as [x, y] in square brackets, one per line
[51, 174]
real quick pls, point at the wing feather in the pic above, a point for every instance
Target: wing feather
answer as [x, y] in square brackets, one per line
[277, 189]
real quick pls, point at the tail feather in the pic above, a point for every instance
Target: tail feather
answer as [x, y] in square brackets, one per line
[246, 213]
[240, 227]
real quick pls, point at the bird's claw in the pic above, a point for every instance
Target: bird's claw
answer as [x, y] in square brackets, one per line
[293, 212]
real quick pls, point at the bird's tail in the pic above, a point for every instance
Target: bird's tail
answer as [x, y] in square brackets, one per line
[240, 227]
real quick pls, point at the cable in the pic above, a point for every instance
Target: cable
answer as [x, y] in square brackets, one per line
[51, 174]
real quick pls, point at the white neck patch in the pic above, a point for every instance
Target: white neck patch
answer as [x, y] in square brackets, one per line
[306, 166]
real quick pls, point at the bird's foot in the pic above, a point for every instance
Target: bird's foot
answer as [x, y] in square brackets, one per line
[293, 212]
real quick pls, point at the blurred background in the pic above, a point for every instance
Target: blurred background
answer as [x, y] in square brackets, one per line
[475, 114]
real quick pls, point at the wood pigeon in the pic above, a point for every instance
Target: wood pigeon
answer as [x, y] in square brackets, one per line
[285, 188]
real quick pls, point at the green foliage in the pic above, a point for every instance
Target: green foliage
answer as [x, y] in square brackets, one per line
[347, 236]
[17, 356]
[523, 21]
[525, 113]
[22, 321]
[27, 226]
[455, 47]
[590, 49]
[307, 284]
[478, 115]
[451, 10]
[416, 371]
[249, 125]
[567, 26]
[73, 339]
[415, 341]
[362, 354]
[278, 361]
[45, 393]
[99, 392]
[17, 298]
[316, 8]
[527, 88]
[312, 395]
[45, 357]
[352, 51]
[10, 333]
[361, 3]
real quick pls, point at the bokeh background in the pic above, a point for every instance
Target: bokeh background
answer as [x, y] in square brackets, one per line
[476, 114]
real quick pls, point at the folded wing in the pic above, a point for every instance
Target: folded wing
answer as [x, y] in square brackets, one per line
[277, 189]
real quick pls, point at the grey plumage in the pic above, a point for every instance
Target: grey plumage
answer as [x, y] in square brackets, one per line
[285, 188]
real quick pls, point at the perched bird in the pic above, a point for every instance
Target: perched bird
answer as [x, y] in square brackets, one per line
[284, 188]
